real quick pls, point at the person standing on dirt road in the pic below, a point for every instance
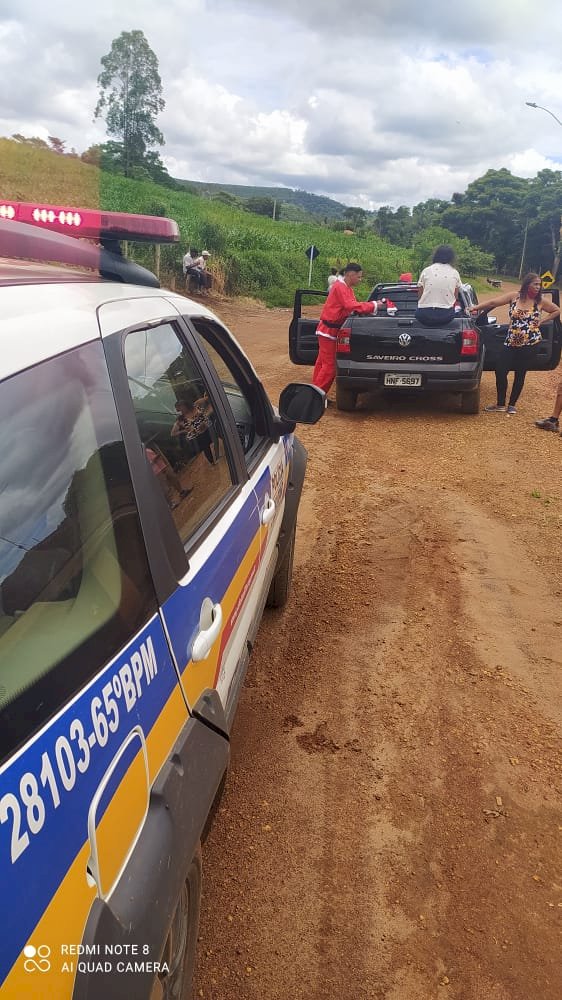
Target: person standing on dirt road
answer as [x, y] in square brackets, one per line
[522, 339]
[341, 302]
[552, 423]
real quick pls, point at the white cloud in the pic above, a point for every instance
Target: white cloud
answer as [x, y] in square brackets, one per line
[379, 103]
[529, 162]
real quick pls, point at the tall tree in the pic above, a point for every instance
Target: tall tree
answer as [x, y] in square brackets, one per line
[260, 205]
[131, 97]
[491, 213]
[355, 216]
[544, 208]
[57, 145]
[395, 226]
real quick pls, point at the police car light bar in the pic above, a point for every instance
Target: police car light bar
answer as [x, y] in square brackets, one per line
[21, 241]
[92, 224]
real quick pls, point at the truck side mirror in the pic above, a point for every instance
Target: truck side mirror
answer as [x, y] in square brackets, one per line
[486, 320]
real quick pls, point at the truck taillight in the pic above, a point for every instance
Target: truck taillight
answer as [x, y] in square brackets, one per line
[343, 345]
[470, 343]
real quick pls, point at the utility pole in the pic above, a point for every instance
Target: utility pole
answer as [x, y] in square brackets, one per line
[558, 249]
[524, 248]
[274, 207]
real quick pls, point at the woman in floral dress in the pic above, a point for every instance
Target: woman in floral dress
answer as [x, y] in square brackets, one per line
[193, 424]
[522, 339]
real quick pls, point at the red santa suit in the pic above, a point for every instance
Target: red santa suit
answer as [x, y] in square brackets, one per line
[341, 302]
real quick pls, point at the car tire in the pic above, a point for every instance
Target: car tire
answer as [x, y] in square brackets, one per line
[470, 401]
[346, 399]
[181, 941]
[280, 586]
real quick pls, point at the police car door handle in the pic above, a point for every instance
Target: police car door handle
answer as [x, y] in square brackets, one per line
[268, 511]
[206, 637]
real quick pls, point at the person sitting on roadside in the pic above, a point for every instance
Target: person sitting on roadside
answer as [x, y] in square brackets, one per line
[552, 423]
[341, 302]
[523, 337]
[438, 286]
[201, 264]
[190, 269]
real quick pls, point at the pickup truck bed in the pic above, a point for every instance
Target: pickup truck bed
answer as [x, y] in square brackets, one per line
[397, 352]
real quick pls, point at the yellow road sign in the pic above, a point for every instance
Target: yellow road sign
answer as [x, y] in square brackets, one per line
[547, 279]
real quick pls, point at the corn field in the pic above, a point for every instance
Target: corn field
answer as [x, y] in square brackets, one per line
[250, 255]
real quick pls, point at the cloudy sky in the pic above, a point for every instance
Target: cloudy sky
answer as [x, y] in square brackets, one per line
[375, 102]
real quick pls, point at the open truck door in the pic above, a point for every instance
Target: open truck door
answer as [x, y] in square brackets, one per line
[548, 354]
[303, 342]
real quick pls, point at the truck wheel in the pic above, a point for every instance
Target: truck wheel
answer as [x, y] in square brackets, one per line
[346, 399]
[470, 401]
[280, 586]
[181, 942]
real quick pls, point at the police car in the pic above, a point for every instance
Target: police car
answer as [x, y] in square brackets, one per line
[149, 496]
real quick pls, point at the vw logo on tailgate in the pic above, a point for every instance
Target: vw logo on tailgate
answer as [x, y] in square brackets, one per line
[404, 339]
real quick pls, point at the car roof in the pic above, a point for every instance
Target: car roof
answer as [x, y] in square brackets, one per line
[47, 310]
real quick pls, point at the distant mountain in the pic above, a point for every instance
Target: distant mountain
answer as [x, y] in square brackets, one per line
[312, 204]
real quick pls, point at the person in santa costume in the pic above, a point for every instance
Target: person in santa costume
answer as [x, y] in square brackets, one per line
[341, 302]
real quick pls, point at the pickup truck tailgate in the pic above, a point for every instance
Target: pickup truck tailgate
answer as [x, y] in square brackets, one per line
[385, 338]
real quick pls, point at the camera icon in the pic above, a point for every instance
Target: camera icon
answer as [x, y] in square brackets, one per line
[37, 959]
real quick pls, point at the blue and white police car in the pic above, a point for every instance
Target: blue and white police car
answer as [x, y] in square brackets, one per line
[148, 506]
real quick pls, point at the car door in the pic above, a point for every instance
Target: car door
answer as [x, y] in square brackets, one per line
[303, 342]
[90, 703]
[266, 460]
[200, 512]
[549, 350]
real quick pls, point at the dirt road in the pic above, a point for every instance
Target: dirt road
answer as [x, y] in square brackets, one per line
[391, 826]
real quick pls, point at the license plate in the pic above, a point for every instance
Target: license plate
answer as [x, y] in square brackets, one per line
[409, 380]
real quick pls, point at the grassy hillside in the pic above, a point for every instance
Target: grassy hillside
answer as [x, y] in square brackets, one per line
[312, 204]
[251, 255]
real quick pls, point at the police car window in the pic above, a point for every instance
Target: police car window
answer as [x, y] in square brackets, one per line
[239, 388]
[183, 437]
[74, 579]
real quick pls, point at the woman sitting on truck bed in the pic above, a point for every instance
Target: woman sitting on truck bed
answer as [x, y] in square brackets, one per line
[438, 286]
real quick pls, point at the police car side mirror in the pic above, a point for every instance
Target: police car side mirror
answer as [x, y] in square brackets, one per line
[302, 403]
